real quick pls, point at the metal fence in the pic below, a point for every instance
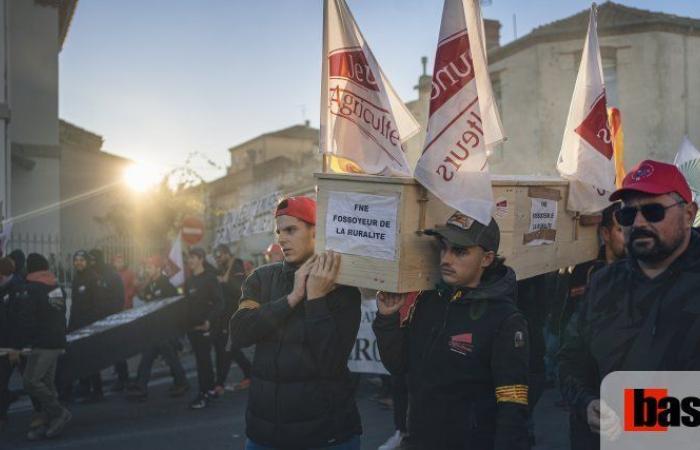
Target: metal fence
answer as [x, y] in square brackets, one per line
[59, 250]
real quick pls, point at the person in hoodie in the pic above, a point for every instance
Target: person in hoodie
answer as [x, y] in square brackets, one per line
[111, 297]
[84, 310]
[206, 304]
[157, 287]
[648, 304]
[464, 347]
[42, 329]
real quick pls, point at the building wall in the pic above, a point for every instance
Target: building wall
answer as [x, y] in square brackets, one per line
[537, 84]
[33, 99]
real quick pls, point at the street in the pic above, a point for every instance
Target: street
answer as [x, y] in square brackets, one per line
[166, 423]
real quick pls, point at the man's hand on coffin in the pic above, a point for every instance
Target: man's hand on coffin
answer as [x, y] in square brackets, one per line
[388, 303]
[299, 290]
[324, 272]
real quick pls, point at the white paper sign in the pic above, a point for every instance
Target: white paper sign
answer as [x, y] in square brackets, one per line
[543, 216]
[364, 357]
[362, 224]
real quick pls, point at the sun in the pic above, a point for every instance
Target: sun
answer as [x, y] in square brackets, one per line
[140, 177]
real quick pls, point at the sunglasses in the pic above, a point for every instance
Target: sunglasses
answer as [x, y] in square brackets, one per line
[652, 212]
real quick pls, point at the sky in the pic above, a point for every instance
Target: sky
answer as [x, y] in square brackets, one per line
[161, 79]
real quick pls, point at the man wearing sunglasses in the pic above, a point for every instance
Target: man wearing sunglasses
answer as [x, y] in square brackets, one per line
[643, 312]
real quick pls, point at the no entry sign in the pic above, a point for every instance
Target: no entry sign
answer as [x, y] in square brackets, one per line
[192, 230]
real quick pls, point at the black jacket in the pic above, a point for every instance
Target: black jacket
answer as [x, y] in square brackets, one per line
[630, 322]
[159, 289]
[85, 307]
[232, 294]
[110, 291]
[301, 394]
[41, 314]
[8, 302]
[205, 299]
[465, 354]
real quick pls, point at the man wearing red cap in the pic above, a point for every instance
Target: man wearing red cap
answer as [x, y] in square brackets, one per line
[304, 327]
[639, 313]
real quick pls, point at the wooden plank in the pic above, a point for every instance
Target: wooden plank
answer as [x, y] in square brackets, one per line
[543, 192]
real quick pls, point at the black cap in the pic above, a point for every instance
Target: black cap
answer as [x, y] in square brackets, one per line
[36, 263]
[466, 232]
[197, 251]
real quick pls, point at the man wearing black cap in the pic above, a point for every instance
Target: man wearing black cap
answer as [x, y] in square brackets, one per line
[206, 303]
[641, 313]
[464, 347]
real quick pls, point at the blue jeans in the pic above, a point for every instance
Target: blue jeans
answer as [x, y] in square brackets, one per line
[352, 444]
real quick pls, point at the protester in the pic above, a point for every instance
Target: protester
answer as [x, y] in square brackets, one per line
[158, 287]
[42, 329]
[231, 278]
[10, 285]
[111, 297]
[643, 303]
[128, 278]
[206, 304]
[464, 347]
[612, 249]
[274, 253]
[20, 261]
[304, 327]
[85, 309]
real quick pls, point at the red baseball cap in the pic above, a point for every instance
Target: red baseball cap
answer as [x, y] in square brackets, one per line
[654, 177]
[303, 208]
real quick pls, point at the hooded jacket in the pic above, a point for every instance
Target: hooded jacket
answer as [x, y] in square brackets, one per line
[85, 308]
[110, 289]
[630, 322]
[42, 313]
[465, 354]
[301, 394]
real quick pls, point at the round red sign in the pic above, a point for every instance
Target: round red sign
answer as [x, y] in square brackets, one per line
[192, 230]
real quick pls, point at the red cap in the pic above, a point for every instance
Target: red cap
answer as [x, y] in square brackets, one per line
[654, 177]
[303, 208]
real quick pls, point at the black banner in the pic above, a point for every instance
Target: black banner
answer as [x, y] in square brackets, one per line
[121, 336]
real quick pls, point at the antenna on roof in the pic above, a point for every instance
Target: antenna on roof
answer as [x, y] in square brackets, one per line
[515, 28]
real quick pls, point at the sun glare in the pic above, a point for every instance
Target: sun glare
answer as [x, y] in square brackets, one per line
[140, 177]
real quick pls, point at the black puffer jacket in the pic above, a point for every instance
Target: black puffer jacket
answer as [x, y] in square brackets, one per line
[42, 313]
[159, 289]
[465, 354]
[630, 322]
[84, 308]
[302, 395]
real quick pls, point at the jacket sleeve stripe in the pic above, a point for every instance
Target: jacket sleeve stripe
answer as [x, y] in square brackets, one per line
[248, 304]
[514, 393]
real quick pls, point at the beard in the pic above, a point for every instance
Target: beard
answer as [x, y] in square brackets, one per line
[657, 251]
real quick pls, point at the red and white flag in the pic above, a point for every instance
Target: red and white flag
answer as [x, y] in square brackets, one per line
[175, 268]
[464, 122]
[363, 120]
[586, 156]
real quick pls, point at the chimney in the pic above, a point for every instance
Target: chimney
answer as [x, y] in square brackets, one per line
[492, 29]
[307, 123]
[425, 81]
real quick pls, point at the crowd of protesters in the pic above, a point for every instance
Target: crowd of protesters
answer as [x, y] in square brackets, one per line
[469, 360]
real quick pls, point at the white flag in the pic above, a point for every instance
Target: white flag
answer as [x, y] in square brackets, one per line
[362, 118]
[464, 120]
[688, 162]
[586, 156]
[175, 266]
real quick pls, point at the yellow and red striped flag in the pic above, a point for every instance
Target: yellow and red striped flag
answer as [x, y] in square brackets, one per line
[618, 143]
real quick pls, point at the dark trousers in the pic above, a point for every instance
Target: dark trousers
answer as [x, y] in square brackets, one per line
[91, 385]
[169, 354]
[202, 345]
[399, 394]
[5, 374]
[122, 370]
[39, 380]
[224, 359]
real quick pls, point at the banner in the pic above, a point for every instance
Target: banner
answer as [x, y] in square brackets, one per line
[250, 218]
[364, 357]
[363, 120]
[464, 121]
[586, 154]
